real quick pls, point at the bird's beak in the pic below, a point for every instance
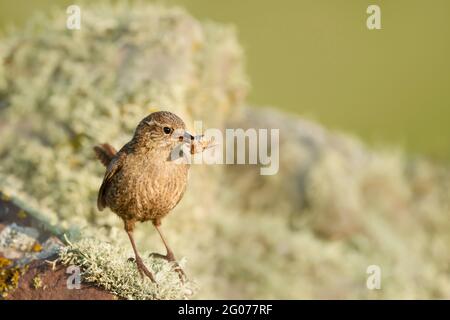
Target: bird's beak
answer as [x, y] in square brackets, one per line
[186, 137]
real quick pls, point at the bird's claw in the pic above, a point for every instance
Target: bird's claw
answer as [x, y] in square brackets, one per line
[143, 269]
[171, 258]
[168, 257]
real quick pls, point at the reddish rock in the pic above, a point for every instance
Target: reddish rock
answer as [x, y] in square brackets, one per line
[53, 285]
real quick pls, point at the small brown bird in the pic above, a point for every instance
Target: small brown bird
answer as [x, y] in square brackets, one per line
[143, 180]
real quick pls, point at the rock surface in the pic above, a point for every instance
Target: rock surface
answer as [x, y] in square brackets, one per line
[29, 253]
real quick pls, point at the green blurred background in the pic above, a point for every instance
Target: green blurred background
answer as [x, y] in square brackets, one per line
[318, 59]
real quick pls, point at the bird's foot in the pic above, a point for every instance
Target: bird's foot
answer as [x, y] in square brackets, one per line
[168, 257]
[171, 258]
[143, 269]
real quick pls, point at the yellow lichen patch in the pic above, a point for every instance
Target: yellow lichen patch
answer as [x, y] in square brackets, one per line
[37, 282]
[21, 214]
[9, 277]
[37, 247]
[4, 262]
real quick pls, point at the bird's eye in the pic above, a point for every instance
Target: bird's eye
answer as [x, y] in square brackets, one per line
[167, 130]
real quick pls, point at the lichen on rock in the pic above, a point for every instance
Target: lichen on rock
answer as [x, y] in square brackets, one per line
[9, 276]
[111, 268]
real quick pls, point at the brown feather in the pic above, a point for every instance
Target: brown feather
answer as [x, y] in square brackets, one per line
[114, 166]
[105, 153]
[141, 182]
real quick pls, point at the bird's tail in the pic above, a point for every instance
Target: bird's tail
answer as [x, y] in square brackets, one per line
[105, 152]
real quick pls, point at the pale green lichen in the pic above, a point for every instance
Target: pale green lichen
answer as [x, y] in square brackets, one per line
[15, 237]
[109, 267]
[74, 89]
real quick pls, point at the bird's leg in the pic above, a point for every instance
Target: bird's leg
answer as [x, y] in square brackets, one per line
[129, 226]
[169, 253]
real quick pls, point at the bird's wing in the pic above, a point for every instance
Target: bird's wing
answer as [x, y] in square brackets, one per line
[114, 166]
